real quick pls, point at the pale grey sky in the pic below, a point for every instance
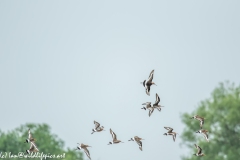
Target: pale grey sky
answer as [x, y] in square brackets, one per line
[68, 63]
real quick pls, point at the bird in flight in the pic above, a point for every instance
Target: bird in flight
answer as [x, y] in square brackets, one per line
[114, 138]
[201, 119]
[170, 132]
[97, 127]
[199, 152]
[84, 147]
[138, 141]
[147, 83]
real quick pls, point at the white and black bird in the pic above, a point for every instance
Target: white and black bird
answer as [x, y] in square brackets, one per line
[138, 141]
[30, 138]
[201, 119]
[170, 132]
[84, 147]
[204, 133]
[97, 127]
[199, 152]
[147, 83]
[114, 138]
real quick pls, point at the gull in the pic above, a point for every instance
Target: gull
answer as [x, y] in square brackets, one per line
[138, 141]
[114, 137]
[147, 83]
[97, 127]
[170, 132]
[84, 147]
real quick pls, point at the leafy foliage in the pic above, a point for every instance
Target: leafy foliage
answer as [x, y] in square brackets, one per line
[48, 143]
[222, 113]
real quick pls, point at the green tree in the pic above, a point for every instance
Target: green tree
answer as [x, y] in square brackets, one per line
[13, 141]
[222, 113]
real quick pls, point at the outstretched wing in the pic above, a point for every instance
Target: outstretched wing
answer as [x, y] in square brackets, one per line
[205, 135]
[96, 125]
[33, 147]
[157, 99]
[201, 123]
[87, 153]
[147, 103]
[199, 118]
[169, 129]
[137, 138]
[140, 144]
[151, 109]
[150, 78]
[199, 149]
[29, 134]
[114, 136]
[174, 137]
[147, 90]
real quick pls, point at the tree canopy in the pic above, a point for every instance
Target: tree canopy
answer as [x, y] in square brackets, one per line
[13, 141]
[222, 113]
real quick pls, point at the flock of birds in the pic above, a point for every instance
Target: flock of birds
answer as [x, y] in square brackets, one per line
[147, 84]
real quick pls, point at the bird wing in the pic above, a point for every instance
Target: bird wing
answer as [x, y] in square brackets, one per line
[199, 118]
[87, 153]
[147, 90]
[174, 137]
[169, 129]
[199, 149]
[97, 125]
[114, 136]
[150, 111]
[137, 138]
[157, 99]
[147, 103]
[33, 147]
[83, 145]
[205, 135]
[201, 123]
[139, 143]
[150, 77]
[29, 134]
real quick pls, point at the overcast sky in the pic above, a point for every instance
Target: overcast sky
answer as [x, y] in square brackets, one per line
[68, 63]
